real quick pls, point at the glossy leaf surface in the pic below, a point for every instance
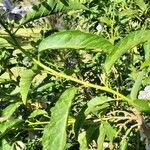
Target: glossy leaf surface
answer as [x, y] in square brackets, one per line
[75, 40]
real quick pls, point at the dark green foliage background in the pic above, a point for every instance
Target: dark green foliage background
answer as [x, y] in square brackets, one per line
[70, 75]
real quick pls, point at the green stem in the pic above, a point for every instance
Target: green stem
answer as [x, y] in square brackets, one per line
[53, 72]
[86, 84]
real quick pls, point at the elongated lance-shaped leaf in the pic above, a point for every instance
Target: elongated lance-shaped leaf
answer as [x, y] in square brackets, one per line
[25, 82]
[75, 40]
[9, 110]
[127, 43]
[147, 50]
[82, 141]
[7, 126]
[50, 7]
[137, 85]
[101, 137]
[54, 137]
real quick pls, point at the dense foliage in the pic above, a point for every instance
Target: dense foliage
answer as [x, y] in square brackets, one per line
[74, 74]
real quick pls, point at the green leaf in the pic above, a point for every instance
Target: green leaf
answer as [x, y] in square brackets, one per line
[54, 136]
[124, 144]
[147, 50]
[82, 141]
[49, 7]
[97, 103]
[110, 131]
[8, 125]
[141, 4]
[4, 145]
[38, 112]
[127, 43]
[44, 87]
[79, 120]
[25, 82]
[145, 64]
[75, 40]
[92, 104]
[101, 137]
[9, 110]
[142, 105]
[137, 85]
[3, 43]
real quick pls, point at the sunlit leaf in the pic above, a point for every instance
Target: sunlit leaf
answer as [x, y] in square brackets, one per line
[124, 144]
[147, 50]
[93, 103]
[75, 40]
[101, 137]
[141, 4]
[82, 141]
[3, 43]
[133, 39]
[54, 136]
[4, 145]
[142, 105]
[136, 87]
[38, 112]
[49, 7]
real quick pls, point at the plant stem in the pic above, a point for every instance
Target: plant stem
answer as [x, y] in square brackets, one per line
[86, 84]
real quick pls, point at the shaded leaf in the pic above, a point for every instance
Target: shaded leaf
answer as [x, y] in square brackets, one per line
[75, 40]
[79, 120]
[54, 136]
[133, 39]
[7, 125]
[98, 102]
[9, 110]
[25, 82]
